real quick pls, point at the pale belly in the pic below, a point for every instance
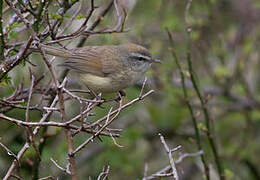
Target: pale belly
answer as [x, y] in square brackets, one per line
[110, 84]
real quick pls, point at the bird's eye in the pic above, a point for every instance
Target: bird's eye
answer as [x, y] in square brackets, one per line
[141, 59]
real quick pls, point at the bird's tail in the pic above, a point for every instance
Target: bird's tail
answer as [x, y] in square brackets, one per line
[55, 51]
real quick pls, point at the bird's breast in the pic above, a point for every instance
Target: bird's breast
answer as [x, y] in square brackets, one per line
[96, 83]
[111, 83]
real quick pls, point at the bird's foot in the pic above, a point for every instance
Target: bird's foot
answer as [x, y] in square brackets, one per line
[120, 96]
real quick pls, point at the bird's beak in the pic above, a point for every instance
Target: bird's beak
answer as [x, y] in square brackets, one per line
[156, 61]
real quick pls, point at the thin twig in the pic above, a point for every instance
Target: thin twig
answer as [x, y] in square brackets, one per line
[30, 131]
[169, 152]
[114, 140]
[164, 172]
[26, 145]
[25, 21]
[67, 171]
[123, 107]
[2, 40]
[16, 177]
[104, 173]
[10, 153]
[63, 116]
[48, 177]
[15, 60]
[95, 23]
[80, 99]
[108, 122]
[185, 93]
[209, 130]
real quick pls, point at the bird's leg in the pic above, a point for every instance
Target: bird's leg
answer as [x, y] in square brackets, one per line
[97, 96]
[121, 94]
[93, 93]
[100, 98]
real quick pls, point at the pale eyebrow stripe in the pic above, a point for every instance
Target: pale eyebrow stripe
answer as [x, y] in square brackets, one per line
[140, 55]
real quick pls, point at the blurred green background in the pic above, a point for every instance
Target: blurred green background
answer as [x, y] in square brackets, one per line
[225, 46]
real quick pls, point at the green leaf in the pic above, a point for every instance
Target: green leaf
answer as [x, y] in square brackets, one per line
[195, 35]
[13, 34]
[248, 45]
[73, 1]
[6, 80]
[229, 174]
[23, 62]
[221, 71]
[80, 16]
[14, 25]
[12, 52]
[67, 16]
[202, 127]
[55, 16]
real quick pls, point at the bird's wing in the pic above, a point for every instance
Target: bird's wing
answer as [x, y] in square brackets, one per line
[96, 60]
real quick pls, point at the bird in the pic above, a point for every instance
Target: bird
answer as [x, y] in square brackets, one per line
[105, 68]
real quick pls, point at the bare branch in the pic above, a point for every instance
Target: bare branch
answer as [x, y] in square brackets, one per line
[164, 172]
[169, 152]
[104, 173]
[67, 171]
[10, 153]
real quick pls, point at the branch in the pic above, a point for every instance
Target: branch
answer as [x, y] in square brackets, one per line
[10, 153]
[8, 65]
[164, 172]
[169, 152]
[2, 40]
[185, 93]
[25, 21]
[26, 145]
[202, 102]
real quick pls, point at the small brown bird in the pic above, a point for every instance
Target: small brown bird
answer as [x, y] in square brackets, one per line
[105, 68]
